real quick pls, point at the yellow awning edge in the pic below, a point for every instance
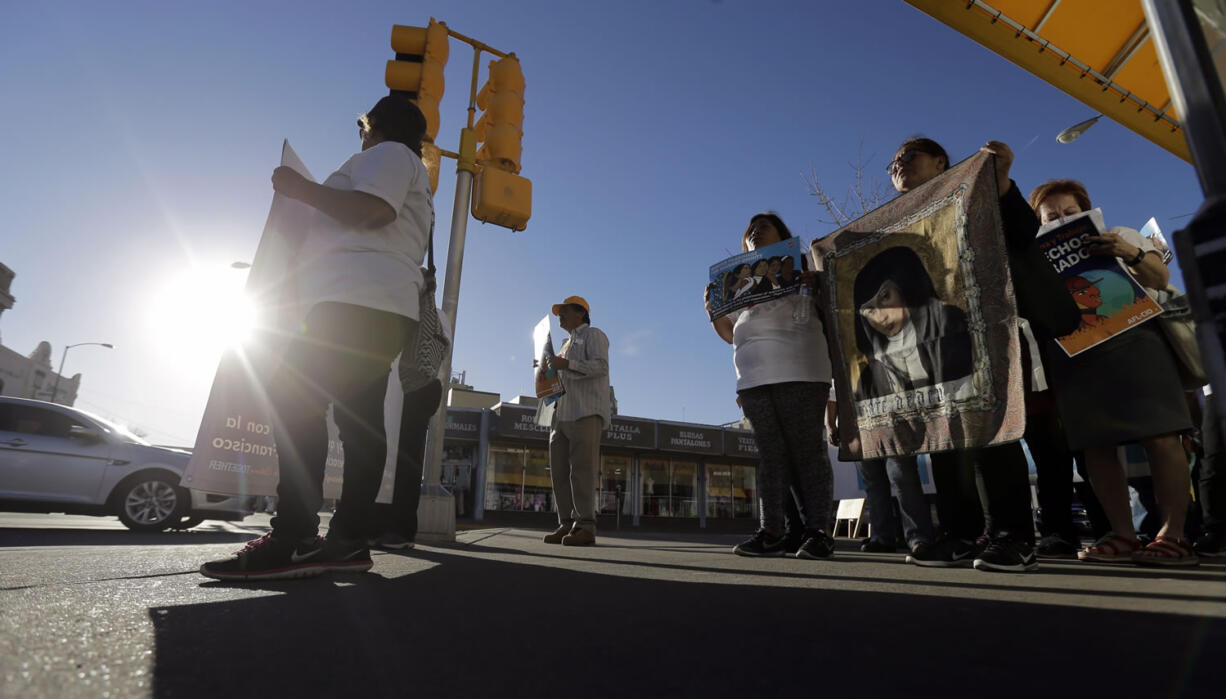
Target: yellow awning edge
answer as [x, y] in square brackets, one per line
[1097, 51]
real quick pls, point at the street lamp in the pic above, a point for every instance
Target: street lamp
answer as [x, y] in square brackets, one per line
[1074, 132]
[55, 389]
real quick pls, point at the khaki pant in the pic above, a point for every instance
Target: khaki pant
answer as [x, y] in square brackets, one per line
[574, 459]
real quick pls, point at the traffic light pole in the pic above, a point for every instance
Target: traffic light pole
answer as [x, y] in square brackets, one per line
[436, 512]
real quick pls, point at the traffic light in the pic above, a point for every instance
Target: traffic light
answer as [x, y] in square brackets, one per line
[501, 126]
[500, 195]
[417, 72]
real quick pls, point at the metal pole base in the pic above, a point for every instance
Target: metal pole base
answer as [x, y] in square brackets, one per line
[436, 515]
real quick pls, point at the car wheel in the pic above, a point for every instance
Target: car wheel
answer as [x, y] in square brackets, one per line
[150, 503]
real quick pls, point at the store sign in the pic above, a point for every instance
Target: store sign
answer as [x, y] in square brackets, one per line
[518, 422]
[693, 439]
[463, 424]
[740, 443]
[630, 433]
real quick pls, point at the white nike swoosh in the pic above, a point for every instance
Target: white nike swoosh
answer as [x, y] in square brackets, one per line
[295, 557]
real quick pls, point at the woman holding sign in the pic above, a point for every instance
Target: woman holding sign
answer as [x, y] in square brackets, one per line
[359, 278]
[783, 378]
[1126, 389]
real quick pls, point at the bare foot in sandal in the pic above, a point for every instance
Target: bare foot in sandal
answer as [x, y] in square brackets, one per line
[1110, 549]
[1166, 551]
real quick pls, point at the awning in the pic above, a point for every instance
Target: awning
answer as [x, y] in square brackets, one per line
[1098, 51]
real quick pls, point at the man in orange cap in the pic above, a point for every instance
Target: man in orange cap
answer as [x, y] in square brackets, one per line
[580, 417]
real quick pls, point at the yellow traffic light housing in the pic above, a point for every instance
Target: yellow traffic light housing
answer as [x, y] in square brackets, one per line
[500, 195]
[501, 126]
[417, 72]
[502, 198]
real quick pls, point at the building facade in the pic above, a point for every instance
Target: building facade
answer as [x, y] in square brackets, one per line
[496, 463]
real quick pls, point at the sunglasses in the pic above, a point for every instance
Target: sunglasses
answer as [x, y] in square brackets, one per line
[903, 157]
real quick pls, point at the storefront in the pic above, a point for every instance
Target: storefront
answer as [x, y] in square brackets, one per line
[649, 470]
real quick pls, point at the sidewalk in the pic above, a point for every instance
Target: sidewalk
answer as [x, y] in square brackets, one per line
[499, 613]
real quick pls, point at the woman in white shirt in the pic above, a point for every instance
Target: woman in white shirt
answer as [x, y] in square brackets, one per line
[358, 277]
[783, 378]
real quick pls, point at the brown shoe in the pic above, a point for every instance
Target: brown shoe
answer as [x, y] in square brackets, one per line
[559, 533]
[580, 537]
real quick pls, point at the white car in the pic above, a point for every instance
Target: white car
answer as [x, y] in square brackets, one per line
[59, 459]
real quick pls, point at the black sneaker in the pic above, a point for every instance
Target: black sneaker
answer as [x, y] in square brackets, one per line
[792, 541]
[1007, 555]
[270, 558]
[818, 546]
[1210, 544]
[871, 545]
[762, 543]
[1056, 546]
[346, 555]
[390, 541]
[950, 553]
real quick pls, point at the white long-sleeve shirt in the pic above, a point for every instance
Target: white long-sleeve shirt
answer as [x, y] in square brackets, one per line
[587, 380]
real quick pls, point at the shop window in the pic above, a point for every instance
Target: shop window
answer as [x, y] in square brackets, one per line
[732, 491]
[518, 479]
[612, 485]
[670, 488]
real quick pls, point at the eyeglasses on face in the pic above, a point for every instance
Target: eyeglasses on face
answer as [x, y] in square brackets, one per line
[903, 157]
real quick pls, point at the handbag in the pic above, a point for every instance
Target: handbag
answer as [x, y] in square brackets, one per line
[1180, 330]
[423, 356]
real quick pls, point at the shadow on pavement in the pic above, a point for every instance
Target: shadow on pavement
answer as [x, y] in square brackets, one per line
[468, 626]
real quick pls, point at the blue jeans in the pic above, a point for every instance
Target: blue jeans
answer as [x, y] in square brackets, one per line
[903, 473]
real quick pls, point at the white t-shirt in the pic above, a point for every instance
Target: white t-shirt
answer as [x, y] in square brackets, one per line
[378, 268]
[769, 347]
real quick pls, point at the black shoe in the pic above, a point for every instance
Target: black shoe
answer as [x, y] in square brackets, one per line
[391, 541]
[792, 542]
[346, 555]
[1007, 555]
[818, 546]
[877, 546]
[1056, 546]
[950, 553]
[270, 558]
[762, 543]
[1210, 544]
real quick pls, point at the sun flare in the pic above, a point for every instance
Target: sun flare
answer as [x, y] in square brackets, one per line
[200, 312]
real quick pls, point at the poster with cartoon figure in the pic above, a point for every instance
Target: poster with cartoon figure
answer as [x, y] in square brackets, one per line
[1110, 300]
[755, 276]
[921, 321]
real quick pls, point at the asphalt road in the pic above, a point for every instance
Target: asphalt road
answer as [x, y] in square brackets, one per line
[88, 609]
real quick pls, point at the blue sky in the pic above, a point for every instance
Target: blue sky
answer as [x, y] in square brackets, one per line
[138, 139]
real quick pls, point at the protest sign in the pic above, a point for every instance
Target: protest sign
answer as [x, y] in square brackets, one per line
[1110, 300]
[548, 383]
[755, 276]
[922, 322]
[234, 451]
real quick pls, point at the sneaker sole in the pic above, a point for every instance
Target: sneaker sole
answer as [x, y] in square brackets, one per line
[754, 554]
[349, 566]
[961, 563]
[288, 573]
[981, 564]
[808, 556]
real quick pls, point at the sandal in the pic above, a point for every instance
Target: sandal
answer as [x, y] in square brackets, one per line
[1166, 551]
[1111, 549]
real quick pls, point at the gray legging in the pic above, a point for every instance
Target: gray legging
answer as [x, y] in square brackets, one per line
[787, 421]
